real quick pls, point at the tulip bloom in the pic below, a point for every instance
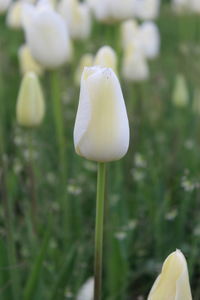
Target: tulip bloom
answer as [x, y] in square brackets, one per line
[106, 57]
[85, 61]
[14, 15]
[4, 4]
[87, 290]
[180, 96]
[134, 64]
[129, 30]
[101, 130]
[77, 17]
[27, 62]
[173, 282]
[147, 9]
[30, 102]
[46, 35]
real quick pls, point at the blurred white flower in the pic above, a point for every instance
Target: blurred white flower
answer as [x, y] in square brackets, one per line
[134, 63]
[180, 95]
[85, 61]
[173, 282]
[101, 117]
[196, 101]
[195, 6]
[149, 38]
[4, 4]
[112, 10]
[14, 15]
[46, 35]
[129, 30]
[181, 6]
[87, 290]
[147, 9]
[77, 17]
[106, 57]
[27, 62]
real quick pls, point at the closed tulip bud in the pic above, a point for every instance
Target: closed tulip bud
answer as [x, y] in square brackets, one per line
[173, 282]
[46, 35]
[78, 18]
[4, 4]
[147, 9]
[27, 62]
[106, 57]
[196, 101]
[30, 102]
[101, 130]
[85, 61]
[150, 39]
[14, 15]
[180, 96]
[87, 290]
[129, 29]
[134, 64]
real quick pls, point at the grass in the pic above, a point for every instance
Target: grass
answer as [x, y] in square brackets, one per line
[152, 196]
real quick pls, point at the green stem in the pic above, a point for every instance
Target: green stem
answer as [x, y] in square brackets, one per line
[99, 230]
[58, 120]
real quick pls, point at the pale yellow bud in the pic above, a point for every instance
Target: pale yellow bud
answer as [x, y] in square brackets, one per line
[14, 15]
[196, 101]
[180, 96]
[27, 62]
[129, 30]
[106, 57]
[30, 102]
[85, 61]
[173, 282]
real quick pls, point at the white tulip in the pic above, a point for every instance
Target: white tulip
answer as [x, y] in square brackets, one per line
[147, 9]
[106, 57]
[27, 62]
[134, 63]
[112, 10]
[149, 39]
[14, 15]
[195, 6]
[181, 6]
[4, 4]
[129, 30]
[77, 16]
[85, 61]
[173, 282]
[87, 290]
[101, 130]
[30, 102]
[180, 95]
[46, 35]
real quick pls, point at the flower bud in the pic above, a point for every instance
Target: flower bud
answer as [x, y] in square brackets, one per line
[78, 18]
[4, 4]
[85, 61]
[149, 39]
[30, 102]
[173, 282]
[134, 64]
[101, 130]
[87, 290]
[195, 6]
[106, 57]
[129, 29]
[147, 9]
[46, 35]
[180, 96]
[27, 62]
[14, 15]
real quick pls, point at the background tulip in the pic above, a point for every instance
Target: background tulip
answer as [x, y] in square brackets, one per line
[85, 61]
[106, 57]
[101, 130]
[4, 4]
[27, 62]
[86, 291]
[173, 282]
[30, 102]
[180, 96]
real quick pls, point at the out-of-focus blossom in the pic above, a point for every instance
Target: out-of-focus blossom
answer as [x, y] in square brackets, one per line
[77, 16]
[101, 117]
[173, 282]
[14, 15]
[147, 9]
[196, 101]
[129, 30]
[87, 290]
[109, 11]
[46, 35]
[149, 38]
[134, 63]
[30, 102]
[181, 6]
[106, 57]
[180, 95]
[4, 4]
[27, 62]
[85, 61]
[195, 6]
